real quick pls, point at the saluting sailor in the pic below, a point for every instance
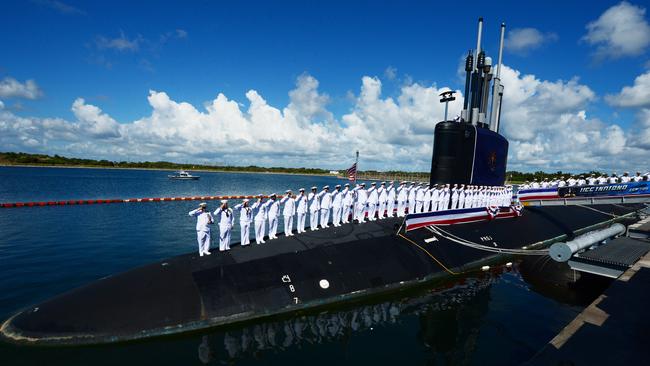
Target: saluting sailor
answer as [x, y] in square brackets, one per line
[301, 210]
[226, 219]
[314, 208]
[259, 214]
[337, 205]
[273, 212]
[412, 191]
[362, 201]
[461, 196]
[245, 219]
[433, 198]
[426, 200]
[390, 200]
[419, 199]
[402, 196]
[373, 200]
[383, 199]
[203, 221]
[454, 197]
[288, 211]
[348, 201]
[325, 204]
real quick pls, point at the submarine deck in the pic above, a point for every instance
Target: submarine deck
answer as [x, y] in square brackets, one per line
[189, 292]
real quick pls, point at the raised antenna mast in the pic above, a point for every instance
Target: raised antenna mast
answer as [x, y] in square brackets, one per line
[475, 90]
[497, 89]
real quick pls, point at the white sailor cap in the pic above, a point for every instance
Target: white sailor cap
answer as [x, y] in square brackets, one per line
[326, 187]
[224, 201]
[203, 204]
[383, 183]
[314, 188]
[287, 191]
[260, 195]
[373, 184]
[346, 185]
[363, 184]
[245, 200]
[337, 186]
[273, 195]
[301, 190]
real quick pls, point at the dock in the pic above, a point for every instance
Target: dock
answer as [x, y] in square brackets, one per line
[614, 329]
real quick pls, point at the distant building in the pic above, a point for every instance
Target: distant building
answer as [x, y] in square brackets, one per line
[334, 172]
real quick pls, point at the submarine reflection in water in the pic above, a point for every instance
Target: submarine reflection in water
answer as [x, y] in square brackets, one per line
[448, 322]
[456, 311]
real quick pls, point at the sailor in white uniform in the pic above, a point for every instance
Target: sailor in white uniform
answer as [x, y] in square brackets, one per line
[260, 216]
[348, 201]
[273, 213]
[325, 205]
[613, 179]
[581, 181]
[637, 177]
[288, 211]
[383, 200]
[337, 205]
[626, 177]
[419, 199]
[245, 219]
[592, 180]
[390, 200]
[373, 200]
[461, 196]
[454, 197]
[562, 183]
[412, 192]
[433, 198]
[226, 219]
[402, 196]
[314, 208]
[443, 198]
[426, 200]
[362, 201]
[203, 221]
[301, 210]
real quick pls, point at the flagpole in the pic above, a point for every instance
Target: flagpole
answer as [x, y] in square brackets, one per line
[356, 163]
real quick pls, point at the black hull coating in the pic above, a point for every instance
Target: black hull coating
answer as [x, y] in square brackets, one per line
[189, 292]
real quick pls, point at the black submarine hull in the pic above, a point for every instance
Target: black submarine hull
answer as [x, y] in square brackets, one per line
[306, 271]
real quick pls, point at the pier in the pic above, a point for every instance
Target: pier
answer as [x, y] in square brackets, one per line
[614, 328]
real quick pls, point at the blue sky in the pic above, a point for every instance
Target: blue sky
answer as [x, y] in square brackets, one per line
[111, 54]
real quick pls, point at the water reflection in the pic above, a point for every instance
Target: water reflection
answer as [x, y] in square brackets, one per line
[445, 318]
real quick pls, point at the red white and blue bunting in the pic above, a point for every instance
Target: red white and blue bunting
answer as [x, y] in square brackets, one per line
[460, 216]
[537, 194]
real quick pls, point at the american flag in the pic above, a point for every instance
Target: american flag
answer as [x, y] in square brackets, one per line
[352, 172]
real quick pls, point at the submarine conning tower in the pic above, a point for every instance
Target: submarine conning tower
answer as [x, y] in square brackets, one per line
[470, 150]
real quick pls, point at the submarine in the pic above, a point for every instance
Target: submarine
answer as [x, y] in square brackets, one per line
[333, 265]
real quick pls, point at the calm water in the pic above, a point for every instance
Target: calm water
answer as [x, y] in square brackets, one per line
[493, 320]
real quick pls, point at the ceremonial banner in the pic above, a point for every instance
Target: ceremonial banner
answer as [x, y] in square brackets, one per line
[458, 216]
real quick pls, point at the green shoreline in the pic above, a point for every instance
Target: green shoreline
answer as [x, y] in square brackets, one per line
[160, 169]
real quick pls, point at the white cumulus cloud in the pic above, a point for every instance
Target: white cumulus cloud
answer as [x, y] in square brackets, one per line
[620, 31]
[547, 123]
[12, 88]
[523, 40]
[637, 95]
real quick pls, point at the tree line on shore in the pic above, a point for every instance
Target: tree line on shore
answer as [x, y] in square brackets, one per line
[13, 158]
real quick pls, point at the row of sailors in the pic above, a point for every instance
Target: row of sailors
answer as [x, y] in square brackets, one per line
[357, 203]
[582, 181]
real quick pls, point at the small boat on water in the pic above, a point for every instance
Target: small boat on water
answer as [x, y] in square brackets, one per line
[183, 175]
